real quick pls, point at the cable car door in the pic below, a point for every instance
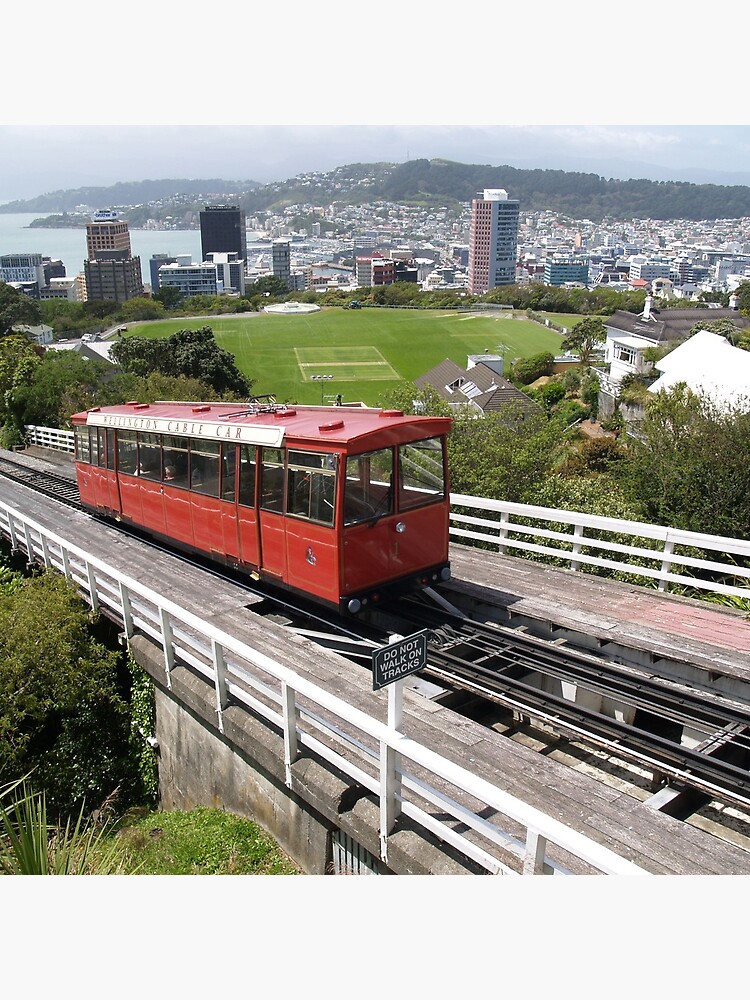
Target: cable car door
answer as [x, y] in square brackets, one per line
[271, 519]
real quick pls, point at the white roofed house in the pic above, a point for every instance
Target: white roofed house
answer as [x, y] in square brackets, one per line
[629, 336]
[710, 367]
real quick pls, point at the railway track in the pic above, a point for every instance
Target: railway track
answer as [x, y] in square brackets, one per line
[57, 487]
[690, 737]
[675, 731]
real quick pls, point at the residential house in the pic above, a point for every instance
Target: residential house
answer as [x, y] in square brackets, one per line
[629, 335]
[711, 367]
[40, 335]
[481, 386]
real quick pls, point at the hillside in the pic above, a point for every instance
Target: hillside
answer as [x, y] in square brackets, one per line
[130, 193]
[436, 183]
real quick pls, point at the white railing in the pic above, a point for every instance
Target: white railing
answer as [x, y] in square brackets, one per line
[49, 437]
[378, 756]
[632, 548]
[573, 540]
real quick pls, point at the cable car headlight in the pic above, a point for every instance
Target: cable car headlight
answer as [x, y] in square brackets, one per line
[400, 527]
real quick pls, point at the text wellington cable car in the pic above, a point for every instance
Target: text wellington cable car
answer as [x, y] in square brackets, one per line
[345, 505]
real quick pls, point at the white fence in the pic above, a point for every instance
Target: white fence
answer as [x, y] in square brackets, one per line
[378, 756]
[632, 549]
[50, 437]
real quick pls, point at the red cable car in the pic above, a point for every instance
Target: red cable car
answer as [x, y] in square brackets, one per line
[344, 505]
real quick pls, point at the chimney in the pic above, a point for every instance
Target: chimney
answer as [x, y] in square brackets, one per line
[647, 307]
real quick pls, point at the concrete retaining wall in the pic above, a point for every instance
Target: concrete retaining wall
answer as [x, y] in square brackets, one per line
[242, 770]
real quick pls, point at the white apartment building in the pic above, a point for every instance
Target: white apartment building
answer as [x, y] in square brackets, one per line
[230, 271]
[22, 268]
[188, 278]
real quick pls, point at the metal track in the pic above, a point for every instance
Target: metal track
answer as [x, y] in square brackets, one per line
[57, 487]
[515, 669]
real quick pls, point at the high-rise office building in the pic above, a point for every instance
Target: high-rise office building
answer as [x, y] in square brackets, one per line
[493, 241]
[281, 262]
[111, 271]
[115, 280]
[107, 233]
[223, 231]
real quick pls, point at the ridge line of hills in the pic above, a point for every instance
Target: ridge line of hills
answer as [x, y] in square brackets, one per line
[429, 183]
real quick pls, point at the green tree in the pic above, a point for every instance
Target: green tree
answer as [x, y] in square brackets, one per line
[687, 467]
[743, 298]
[62, 383]
[722, 327]
[192, 354]
[140, 308]
[16, 308]
[169, 296]
[408, 398]
[584, 338]
[501, 455]
[19, 360]
[271, 285]
[528, 370]
[59, 693]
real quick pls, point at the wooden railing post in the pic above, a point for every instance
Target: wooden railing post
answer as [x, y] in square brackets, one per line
[390, 773]
[289, 711]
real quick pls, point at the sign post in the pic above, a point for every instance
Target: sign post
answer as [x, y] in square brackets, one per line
[391, 664]
[401, 657]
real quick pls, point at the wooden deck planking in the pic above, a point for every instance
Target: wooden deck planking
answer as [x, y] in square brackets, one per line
[666, 625]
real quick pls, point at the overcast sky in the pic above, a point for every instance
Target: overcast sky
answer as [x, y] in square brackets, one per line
[249, 96]
[56, 157]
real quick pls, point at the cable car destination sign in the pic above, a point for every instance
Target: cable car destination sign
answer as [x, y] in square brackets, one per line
[399, 659]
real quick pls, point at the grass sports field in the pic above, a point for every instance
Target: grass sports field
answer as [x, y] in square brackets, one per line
[367, 351]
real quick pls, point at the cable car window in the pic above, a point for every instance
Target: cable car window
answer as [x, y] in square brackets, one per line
[175, 461]
[246, 495]
[368, 491]
[83, 447]
[127, 452]
[110, 447]
[228, 471]
[311, 486]
[421, 473]
[149, 456]
[272, 479]
[101, 437]
[204, 467]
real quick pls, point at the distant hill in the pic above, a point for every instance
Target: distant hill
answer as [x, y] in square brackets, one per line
[129, 193]
[446, 183]
[432, 183]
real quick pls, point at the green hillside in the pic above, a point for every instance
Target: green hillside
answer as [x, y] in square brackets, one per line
[436, 182]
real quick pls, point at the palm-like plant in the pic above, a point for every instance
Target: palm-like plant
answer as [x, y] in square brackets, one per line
[29, 845]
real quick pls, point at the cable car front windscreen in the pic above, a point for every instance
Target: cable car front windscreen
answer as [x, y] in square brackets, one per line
[421, 473]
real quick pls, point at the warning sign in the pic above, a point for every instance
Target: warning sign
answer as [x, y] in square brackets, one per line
[398, 659]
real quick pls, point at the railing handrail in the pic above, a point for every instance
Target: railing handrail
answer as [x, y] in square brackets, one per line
[224, 659]
[577, 548]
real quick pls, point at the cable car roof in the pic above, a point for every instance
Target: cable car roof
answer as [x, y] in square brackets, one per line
[266, 424]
